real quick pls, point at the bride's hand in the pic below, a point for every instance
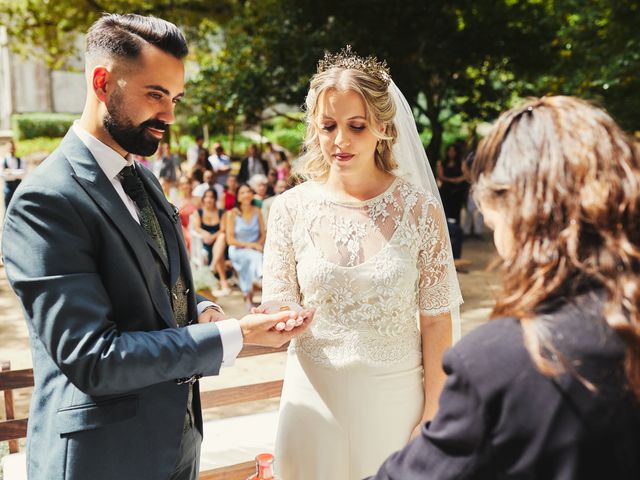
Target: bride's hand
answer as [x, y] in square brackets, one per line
[305, 315]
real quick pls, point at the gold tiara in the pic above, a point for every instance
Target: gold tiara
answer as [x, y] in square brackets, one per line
[346, 58]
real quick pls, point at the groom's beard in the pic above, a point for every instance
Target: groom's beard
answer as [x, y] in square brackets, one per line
[133, 139]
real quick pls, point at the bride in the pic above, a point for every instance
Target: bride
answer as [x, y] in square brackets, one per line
[365, 241]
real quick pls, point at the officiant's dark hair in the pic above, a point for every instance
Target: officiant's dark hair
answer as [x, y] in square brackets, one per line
[124, 36]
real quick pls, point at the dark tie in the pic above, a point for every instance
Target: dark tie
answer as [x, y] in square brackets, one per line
[135, 189]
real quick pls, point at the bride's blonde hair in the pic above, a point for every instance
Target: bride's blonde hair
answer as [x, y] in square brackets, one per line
[380, 110]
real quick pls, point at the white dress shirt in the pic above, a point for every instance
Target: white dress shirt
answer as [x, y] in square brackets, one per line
[111, 163]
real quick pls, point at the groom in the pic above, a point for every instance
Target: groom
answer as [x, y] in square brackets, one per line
[95, 253]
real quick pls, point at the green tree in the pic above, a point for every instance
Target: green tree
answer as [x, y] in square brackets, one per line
[449, 57]
[50, 28]
[600, 56]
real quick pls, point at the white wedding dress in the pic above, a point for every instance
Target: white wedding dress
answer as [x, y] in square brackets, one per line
[353, 387]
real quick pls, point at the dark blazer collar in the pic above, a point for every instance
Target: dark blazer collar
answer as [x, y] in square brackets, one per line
[91, 178]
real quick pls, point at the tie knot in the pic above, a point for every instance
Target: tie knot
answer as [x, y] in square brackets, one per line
[132, 186]
[128, 171]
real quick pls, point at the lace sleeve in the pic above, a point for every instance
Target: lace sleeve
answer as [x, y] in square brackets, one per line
[280, 280]
[438, 290]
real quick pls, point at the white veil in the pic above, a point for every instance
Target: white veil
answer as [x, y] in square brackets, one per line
[413, 166]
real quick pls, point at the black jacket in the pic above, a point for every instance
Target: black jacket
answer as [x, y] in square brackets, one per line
[500, 418]
[243, 174]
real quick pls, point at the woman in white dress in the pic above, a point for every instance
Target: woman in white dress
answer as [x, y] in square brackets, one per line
[367, 245]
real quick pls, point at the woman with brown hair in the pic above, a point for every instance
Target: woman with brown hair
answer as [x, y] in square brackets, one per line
[548, 389]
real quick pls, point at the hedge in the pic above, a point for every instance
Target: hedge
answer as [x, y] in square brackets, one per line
[32, 125]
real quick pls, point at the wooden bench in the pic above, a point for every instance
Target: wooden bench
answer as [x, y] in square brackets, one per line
[12, 429]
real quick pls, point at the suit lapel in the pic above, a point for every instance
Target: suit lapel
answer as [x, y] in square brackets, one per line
[169, 221]
[91, 178]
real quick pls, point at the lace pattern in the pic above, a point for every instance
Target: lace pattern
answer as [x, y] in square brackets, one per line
[368, 267]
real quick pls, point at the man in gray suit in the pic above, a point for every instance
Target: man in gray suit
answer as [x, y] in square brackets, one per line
[96, 255]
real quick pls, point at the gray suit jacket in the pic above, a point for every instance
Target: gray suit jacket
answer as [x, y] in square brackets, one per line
[106, 350]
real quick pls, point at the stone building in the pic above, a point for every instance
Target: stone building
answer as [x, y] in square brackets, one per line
[29, 85]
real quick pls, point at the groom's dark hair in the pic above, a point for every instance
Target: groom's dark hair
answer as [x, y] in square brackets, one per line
[123, 37]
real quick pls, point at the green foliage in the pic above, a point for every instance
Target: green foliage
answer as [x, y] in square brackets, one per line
[50, 28]
[32, 125]
[600, 56]
[290, 138]
[38, 145]
[457, 61]
[460, 57]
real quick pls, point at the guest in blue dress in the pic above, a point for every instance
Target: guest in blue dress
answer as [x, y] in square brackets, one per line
[245, 236]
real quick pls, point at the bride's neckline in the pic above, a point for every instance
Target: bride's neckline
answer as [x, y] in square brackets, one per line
[334, 198]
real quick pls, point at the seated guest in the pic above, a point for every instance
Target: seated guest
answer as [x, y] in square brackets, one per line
[245, 233]
[548, 389]
[206, 221]
[201, 166]
[272, 179]
[281, 186]
[229, 194]
[187, 204]
[260, 185]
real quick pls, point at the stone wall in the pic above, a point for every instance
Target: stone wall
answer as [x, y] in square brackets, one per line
[29, 85]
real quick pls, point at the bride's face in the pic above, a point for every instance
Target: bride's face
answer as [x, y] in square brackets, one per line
[346, 141]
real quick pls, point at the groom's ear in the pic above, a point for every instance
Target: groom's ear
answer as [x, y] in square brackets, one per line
[99, 79]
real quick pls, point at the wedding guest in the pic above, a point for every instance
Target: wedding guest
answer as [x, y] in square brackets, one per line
[202, 165]
[454, 186]
[281, 187]
[169, 164]
[272, 178]
[13, 171]
[221, 164]
[364, 240]
[284, 170]
[473, 223]
[260, 185]
[548, 389]
[206, 221]
[252, 165]
[220, 247]
[273, 155]
[230, 190]
[186, 204]
[194, 151]
[208, 183]
[245, 234]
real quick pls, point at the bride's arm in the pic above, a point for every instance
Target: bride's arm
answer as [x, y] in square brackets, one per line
[436, 299]
[279, 275]
[436, 339]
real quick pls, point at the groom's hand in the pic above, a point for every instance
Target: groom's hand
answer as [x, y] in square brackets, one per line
[264, 329]
[211, 314]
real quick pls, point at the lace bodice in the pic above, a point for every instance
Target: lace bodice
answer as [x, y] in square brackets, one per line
[368, 267]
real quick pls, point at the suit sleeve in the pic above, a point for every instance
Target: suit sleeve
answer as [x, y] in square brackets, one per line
[49, 255]
[451, 446]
